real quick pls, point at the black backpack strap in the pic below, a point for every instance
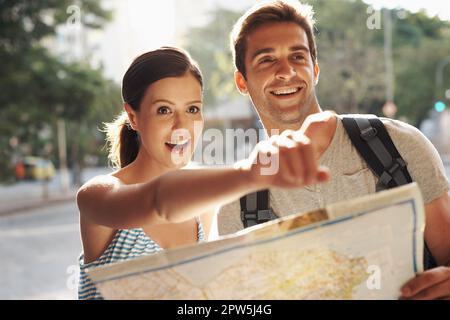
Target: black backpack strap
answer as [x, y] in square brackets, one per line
[255, 208]
[371, 139]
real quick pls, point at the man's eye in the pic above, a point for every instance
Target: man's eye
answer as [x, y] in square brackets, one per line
[299, 57]
[266, 60]
[163, 110]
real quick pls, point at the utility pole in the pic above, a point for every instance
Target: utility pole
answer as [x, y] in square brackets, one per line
[62, 147]
[389, 109]
[441, 93]
[440, 77]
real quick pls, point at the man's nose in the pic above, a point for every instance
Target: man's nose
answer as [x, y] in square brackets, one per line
[285, 70]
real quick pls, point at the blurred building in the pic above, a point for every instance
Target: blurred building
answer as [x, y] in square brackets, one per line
[437, 129]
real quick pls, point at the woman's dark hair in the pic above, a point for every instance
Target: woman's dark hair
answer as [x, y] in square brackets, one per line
[123, 141]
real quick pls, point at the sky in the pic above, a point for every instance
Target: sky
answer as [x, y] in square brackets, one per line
[142, 25]
[433, 7]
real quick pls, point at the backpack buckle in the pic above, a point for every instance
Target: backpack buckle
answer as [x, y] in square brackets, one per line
[369, 133]
[256, 217]
[388, 174]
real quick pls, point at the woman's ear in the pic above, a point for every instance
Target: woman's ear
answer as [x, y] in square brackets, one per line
[131, 116]
[241, 83]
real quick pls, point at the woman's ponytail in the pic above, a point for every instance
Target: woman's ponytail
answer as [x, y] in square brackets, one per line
[122, 141]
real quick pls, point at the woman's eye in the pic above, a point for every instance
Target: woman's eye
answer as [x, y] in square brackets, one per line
[193, 109]
[299, 57]
[163, 110]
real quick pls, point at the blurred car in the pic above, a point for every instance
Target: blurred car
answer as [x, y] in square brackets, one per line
[36, 168]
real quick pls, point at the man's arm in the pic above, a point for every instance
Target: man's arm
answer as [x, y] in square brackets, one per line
[434, 283]
[437, 229]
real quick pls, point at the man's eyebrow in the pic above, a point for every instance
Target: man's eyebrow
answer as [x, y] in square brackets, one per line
[262, 51]
[299, 47]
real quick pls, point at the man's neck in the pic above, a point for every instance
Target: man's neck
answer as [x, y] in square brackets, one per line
[277, 127]
[321, 134]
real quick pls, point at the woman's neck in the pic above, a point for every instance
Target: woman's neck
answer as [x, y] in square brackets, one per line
[142, 169]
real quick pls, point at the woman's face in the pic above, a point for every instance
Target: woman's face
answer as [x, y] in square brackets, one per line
[170, 120]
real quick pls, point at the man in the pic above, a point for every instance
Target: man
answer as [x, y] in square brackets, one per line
[275, 55]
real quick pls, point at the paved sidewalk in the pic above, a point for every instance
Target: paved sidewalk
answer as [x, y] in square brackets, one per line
[28, 195]
[11, 207]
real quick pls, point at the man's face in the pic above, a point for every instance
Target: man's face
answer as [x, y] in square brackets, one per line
[281, 74]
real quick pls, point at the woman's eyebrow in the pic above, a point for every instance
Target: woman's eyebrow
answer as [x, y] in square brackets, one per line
[162, 100]
[173, 103]
[193, 102]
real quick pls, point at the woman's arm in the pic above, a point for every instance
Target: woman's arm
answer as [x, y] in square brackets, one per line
[173, 197]
[180, 195]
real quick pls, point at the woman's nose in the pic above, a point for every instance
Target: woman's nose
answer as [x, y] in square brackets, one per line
[182, 126]
[179, 121]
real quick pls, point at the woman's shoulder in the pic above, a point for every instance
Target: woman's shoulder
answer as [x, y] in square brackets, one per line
[104, 180]
[97, 186]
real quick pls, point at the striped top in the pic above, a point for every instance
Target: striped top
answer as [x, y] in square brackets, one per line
[127, 244]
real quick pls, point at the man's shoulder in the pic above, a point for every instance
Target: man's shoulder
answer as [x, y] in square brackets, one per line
[405, 135]
[397, 129]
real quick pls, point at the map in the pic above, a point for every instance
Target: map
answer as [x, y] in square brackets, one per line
[360, 249]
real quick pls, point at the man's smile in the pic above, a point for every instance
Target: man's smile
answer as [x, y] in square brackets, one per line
[286, 92]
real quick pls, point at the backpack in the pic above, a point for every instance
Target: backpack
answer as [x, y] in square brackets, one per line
[372, 141]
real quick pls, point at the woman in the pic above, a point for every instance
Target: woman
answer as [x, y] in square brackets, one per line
[147, 205]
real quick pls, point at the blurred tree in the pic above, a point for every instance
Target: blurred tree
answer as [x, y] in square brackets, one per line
[351, 61]
[209, 46]
[350, 55]
[421, 43]
[37, 87]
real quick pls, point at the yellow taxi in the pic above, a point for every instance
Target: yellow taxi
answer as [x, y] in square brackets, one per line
[37, 168]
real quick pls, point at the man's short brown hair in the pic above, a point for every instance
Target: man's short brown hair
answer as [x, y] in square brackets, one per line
[269, 12]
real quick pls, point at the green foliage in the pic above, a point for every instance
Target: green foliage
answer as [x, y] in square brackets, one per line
[351, 57]
[37, 88]
[209, 46]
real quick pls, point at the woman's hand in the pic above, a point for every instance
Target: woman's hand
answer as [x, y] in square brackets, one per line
[287, 160]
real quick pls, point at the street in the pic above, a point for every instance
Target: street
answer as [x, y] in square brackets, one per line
[37, 247]
[39, 250]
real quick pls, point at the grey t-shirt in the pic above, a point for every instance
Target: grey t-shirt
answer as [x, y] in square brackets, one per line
[351, 176]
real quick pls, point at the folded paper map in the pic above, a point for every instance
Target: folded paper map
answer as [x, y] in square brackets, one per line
[364, 248]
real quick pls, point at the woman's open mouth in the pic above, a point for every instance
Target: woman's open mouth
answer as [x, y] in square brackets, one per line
[178, 147]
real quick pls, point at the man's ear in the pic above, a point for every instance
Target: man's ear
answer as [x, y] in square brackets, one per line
[316, 73]
[131, 116]
[241, 83]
